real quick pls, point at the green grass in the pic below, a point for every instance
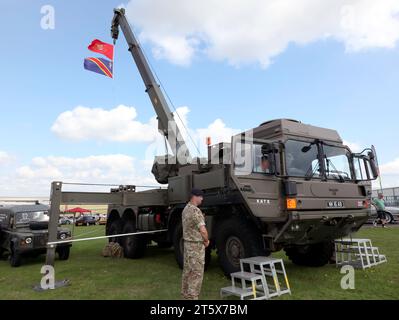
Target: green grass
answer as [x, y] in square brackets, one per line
[157, 276]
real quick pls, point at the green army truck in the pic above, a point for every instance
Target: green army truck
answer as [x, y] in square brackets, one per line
[282, 185]
[24, 232]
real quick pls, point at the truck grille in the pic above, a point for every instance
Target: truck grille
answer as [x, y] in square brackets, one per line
[40, 241]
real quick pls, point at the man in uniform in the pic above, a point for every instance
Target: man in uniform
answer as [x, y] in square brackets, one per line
[196, 240]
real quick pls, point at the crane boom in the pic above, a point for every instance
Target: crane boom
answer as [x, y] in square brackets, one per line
[166, 123]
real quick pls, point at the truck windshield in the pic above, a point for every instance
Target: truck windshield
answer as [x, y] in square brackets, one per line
[336, 163]
[302, 159]
[26, 217]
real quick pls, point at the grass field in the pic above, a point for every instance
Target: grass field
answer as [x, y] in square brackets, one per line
[157, 276]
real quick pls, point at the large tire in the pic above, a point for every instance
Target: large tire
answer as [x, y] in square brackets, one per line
[114, 227]
[236, 239]
[15, 258]
[134, 247]
[178, 244]
[63, 252]
[313, 255]
[389, 217]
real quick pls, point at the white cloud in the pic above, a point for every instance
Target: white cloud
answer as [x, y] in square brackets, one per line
[118, 124]
[247, 31]
[4, 157]
[217, 131]
[354, 146]
[35, 178]
[389, 175]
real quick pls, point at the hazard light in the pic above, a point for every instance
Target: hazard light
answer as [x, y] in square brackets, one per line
[291, 203]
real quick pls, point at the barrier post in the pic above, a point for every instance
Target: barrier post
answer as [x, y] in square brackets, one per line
[55, 203]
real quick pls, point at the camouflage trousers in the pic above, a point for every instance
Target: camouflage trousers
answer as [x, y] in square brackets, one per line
[193, 270]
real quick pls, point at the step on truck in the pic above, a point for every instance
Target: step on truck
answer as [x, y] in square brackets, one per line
[283, 185]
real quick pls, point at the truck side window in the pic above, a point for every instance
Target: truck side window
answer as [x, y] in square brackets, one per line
[262, 162]
[242, 159]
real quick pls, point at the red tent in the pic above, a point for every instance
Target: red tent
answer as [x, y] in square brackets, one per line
[77, 210]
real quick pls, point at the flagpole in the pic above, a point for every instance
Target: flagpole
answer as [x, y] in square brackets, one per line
[113, 62]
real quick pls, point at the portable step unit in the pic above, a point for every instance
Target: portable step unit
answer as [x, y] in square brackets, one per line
[266, 275]
[246, 285]
[358, 253]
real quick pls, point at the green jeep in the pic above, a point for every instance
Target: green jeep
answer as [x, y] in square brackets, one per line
[24, 232]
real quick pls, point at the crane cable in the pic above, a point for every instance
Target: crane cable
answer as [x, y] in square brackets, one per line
[169, 99]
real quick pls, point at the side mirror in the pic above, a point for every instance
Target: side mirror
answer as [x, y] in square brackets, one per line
[373, 165]
[266, 149]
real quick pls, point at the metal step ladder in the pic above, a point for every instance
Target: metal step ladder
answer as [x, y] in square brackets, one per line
[255, 290]
[359, 253]
[267, 277]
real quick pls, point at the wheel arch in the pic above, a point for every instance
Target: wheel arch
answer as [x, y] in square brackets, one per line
[129, 214]
[174, 220]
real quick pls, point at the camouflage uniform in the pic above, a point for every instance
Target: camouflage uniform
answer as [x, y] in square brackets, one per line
[194, 252]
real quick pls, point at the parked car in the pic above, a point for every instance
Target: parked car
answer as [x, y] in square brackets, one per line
[24, 231]
[103, 219]
[391, 214]
[65, 220]
[85, 221]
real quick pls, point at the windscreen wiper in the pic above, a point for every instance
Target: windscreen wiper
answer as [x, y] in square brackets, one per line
[311, 171]
[337, 172]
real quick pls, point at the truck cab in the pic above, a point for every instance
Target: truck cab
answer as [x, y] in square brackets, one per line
[315, 188]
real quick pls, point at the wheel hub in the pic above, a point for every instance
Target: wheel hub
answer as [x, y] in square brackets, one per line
[234, 250]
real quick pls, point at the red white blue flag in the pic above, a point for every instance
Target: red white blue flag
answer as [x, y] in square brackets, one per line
[99, 65]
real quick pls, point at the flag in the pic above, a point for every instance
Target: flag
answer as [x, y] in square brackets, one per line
[102, 47]
[99, 65]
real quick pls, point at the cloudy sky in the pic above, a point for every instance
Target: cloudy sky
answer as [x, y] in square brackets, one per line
[227, 66]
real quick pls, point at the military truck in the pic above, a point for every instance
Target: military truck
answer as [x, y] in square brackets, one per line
[24, 232]
[283, 185]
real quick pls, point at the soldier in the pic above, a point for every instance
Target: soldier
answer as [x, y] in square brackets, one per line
[196, 240]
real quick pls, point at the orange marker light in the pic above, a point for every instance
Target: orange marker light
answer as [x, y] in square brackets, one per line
[291, 203]
[208, 141]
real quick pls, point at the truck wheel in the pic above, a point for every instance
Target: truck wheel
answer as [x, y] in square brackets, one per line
[134, 247]
[313, 255]
[114, 228]
[178, 244]
[15, 258]
[63, 252]
[389, 217]
[237, 239]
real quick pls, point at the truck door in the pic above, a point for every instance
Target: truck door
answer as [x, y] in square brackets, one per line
[253, 170]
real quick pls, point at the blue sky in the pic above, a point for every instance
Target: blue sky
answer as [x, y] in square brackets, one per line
[318, 82]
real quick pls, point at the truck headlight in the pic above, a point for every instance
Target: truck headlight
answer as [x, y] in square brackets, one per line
[28, 240]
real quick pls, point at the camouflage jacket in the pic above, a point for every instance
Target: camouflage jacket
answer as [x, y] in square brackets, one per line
[192, 219]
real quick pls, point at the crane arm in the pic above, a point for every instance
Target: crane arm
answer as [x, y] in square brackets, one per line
[166, 123]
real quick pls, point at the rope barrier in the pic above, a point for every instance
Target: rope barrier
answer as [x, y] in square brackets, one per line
[51, 244]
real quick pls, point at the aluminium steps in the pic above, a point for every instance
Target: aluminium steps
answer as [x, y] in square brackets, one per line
[260, 278]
